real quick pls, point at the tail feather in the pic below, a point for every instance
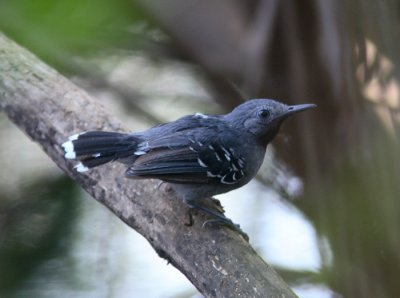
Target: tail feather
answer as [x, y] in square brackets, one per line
[94, 148]
[96, 161]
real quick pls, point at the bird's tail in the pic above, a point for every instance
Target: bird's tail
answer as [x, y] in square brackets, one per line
[94, 148]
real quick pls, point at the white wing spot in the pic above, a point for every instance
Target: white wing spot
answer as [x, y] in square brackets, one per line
[140, 152]
[241, 162]
[217, 156]
[234, 176]
[209, 174]
[201, 163]
[227, 182]
[227, 153]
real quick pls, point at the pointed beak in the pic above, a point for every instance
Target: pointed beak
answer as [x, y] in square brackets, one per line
[299, 108]
[296, 109]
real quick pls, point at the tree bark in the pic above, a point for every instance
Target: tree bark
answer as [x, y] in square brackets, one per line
[49, 108]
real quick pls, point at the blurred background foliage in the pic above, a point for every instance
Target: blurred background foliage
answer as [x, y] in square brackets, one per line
[152, 61]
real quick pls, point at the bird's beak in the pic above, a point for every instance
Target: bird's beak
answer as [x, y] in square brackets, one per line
[296, 109]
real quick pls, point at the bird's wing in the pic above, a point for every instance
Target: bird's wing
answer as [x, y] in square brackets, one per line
[183, 158]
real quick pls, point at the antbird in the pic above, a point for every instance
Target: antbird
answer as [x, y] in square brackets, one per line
[199, 155]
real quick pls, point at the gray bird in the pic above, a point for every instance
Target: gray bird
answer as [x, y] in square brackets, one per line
[199, 155]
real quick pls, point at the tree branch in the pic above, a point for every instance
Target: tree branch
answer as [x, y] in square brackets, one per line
[48, 108]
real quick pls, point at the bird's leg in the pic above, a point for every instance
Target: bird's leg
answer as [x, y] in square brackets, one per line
[219, 217]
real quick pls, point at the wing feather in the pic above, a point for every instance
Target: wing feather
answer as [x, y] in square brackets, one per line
[188, 154]
[173, 165]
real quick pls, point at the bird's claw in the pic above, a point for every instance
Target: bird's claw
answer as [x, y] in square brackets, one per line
[218, 218]
[227, 222]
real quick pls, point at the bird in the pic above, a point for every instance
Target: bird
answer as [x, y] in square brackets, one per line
[199, 155]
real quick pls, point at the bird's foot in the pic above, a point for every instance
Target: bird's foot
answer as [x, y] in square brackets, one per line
[218, 218]
[229, 223]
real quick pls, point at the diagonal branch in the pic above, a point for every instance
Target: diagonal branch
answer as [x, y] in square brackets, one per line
[48, 108]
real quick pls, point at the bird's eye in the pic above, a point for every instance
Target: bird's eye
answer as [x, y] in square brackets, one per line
[263, 113]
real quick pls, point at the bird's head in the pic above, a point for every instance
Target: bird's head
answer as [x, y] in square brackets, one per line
[263, 117]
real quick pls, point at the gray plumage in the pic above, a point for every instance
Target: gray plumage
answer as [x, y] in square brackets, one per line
[200, 155]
